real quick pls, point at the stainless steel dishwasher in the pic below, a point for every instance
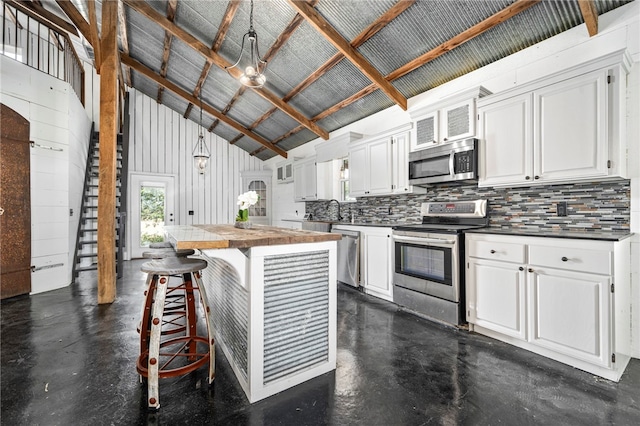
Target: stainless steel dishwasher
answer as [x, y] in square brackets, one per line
[348, 257]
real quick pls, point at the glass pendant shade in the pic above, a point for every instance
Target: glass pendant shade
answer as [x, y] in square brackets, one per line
[254, 67]
[201, 155]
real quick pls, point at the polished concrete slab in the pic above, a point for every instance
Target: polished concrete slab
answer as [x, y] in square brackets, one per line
[67, 361]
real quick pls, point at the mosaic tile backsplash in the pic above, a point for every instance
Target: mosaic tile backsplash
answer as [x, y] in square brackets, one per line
[592, 206]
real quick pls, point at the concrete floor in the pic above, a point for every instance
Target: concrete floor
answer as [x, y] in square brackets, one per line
[67, 361]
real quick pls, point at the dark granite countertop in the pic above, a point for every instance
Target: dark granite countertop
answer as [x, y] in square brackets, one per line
[583, 235]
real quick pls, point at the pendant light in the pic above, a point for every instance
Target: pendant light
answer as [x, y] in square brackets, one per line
[200, 151]
[253, 75]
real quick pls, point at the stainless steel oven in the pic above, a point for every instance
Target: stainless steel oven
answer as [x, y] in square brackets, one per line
[428, 275]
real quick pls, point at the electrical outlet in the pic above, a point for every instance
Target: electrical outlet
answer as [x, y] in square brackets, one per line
[561, 208]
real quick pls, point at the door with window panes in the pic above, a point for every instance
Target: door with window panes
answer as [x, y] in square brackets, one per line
[259, 181]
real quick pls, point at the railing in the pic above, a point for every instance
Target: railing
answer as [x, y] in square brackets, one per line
[32, 42]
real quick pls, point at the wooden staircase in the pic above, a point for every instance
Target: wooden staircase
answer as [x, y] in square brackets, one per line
[86, 252]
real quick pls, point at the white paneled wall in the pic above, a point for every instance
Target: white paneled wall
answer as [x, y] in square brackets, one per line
[57, 120]
[162, 143]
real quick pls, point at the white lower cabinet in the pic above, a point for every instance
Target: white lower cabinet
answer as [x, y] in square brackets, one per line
[566, 299]
[377, 262]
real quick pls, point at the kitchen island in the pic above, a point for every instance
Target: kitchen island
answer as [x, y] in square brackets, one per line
[272, 296]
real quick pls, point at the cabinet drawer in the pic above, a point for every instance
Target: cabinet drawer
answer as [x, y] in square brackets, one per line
[507, 252]
[573, 259]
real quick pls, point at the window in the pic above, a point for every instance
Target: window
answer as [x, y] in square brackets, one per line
[344, 181]
[260, 208]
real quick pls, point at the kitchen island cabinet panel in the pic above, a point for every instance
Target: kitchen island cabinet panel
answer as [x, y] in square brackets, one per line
[272, 297]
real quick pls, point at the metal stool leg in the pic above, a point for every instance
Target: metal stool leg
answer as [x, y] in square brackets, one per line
[207, 316]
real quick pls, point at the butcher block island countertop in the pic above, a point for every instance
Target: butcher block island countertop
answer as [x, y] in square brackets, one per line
[228, 236]
[272, 297]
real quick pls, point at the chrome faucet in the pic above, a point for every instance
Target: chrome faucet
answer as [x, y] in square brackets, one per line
[338, 203]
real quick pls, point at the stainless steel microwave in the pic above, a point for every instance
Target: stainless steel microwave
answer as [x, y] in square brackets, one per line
[456, 161]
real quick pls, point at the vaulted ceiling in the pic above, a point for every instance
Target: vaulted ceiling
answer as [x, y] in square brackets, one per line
[330, 62]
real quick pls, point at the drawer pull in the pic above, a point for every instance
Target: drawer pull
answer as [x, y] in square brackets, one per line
[521, 269]
[530, 270]
[493, 252]
[564, 259]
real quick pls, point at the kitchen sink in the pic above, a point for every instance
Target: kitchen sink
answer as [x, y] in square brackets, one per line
[317, 225]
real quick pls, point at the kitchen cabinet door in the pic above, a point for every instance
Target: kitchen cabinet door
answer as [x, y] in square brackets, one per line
[496, 298]
[304, 180]
[426, 132]
[400, 154]
[358, 171]
[506, 142]
[379, 167]
[570, 313]
[377, 263]
[570, 122]
[458, 121]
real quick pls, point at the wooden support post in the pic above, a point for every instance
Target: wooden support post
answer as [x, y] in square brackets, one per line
[108, 152]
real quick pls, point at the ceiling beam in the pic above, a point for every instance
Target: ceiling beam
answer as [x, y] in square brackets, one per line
[95, 37]
[275, 47]
[463, 37]
[137, 66]
[31, 9]
[172, 6]
[382, 21]
[124, 39]
[232, 8]
[77, 19]
[590, 15]
[146, 10]
[334, 37]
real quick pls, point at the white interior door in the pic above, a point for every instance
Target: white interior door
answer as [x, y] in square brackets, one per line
[152, 200]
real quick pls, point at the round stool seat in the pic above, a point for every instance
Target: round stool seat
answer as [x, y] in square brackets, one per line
[162, 253]
[173, 266]
[164, 244]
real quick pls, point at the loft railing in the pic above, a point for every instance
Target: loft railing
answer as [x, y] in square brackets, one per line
[29, 40]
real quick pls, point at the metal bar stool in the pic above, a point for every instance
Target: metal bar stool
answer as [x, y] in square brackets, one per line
[178, 355]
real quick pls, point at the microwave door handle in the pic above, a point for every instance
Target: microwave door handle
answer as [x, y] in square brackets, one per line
[452, 162]
[421, 240]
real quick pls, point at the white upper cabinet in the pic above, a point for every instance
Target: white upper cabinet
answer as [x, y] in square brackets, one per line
[564, 128]
[446, 121]
[379, 165]
[305, 180]
[284, 171]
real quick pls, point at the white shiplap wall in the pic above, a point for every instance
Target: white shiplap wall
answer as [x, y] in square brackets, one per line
[162, 142]
[58, 120]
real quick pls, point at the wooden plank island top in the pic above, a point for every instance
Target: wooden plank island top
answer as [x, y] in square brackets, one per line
[228, 236]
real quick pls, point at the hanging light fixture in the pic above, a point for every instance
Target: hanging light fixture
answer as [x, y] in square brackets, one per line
[200, 151]
[253, 75]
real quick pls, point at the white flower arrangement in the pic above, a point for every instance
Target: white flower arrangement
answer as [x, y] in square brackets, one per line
[245, 201]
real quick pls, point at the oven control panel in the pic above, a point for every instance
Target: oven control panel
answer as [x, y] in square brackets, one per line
[476, 208]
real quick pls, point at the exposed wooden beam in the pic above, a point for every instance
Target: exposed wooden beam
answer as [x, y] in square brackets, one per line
[35, 10]
[481, 27]
[172, 6]
[232, 8]
[108, 157]
[126, 59]
[146, 10]
[95, 37]
[360, 39]
[275, 47]
[124, 39]
[590, 15]
[334, 37]
[474, 31]
[77, 19]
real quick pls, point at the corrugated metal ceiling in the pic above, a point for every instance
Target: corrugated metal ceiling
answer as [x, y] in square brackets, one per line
[424, 25]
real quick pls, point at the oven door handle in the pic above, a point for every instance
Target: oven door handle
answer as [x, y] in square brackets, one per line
[424, 241]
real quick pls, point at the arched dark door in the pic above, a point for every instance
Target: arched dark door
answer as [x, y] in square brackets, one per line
[15, 204]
